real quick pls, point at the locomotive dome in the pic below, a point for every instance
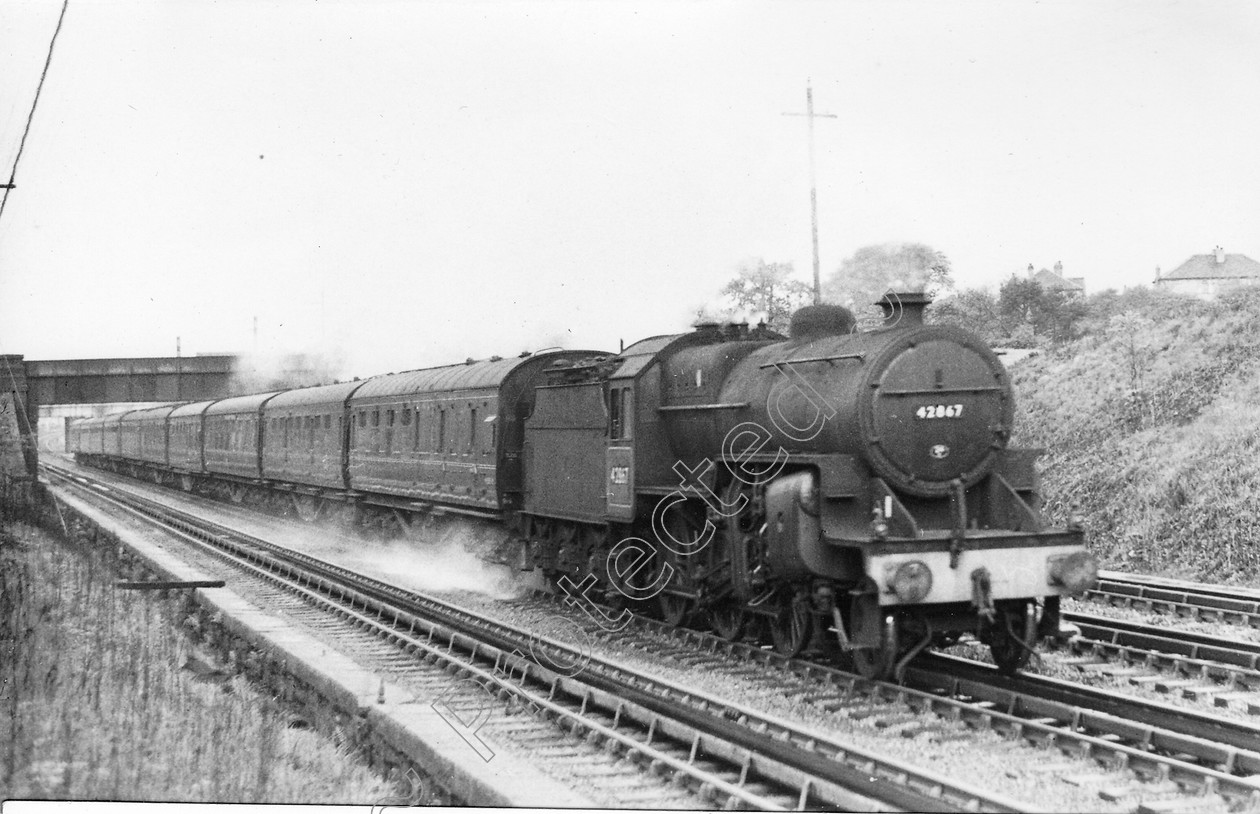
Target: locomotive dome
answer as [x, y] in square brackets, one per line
[816, 321]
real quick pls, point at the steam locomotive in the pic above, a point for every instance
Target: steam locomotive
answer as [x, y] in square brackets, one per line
[844, 483]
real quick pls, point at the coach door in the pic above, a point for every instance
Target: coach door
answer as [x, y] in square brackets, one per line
[620, 458]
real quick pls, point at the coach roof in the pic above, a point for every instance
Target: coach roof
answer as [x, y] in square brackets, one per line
[161, 411]
[469, 376]
[322, 394]
[194, 408]
[239, 404]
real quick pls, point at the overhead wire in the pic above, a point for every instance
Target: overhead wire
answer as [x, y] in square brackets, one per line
[34, 103]
[20, 406]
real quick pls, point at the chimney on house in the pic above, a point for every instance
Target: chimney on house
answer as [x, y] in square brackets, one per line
[1030, 271]
[1220, 255]
[1058, 267]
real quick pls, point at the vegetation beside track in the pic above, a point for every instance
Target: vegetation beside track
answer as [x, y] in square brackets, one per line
[102, 698]
[1151, 427]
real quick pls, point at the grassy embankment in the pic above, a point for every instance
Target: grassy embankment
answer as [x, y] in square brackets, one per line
[1150, 425]
[94, 703]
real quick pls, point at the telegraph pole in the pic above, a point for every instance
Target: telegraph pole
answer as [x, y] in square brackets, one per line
[813, 185]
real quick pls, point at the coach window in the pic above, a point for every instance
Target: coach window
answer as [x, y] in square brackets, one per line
[415, 441]
[472, 429]
[441, 430]
[389, 431]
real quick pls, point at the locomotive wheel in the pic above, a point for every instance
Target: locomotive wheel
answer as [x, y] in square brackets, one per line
[1011, 651]
[790, 628]
[686, 526]
[873, 663]
[728, 619]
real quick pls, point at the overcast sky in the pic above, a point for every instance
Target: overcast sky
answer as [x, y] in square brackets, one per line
[410, 184]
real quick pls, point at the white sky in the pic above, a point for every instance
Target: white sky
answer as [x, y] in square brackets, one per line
[414, 183]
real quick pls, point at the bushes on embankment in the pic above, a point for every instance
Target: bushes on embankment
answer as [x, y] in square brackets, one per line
[97, 700]
[1150, 426]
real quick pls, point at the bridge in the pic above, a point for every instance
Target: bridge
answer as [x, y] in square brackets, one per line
[38, 398]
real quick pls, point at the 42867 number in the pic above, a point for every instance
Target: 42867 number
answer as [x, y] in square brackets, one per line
[939, 411]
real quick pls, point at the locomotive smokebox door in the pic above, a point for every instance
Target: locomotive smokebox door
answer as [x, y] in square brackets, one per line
[620, 473]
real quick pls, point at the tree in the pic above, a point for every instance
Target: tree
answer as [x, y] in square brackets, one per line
[768, 291]
[1032, 314]
[975, 309]
[873, 271]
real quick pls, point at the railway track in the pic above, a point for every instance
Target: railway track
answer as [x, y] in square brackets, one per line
[1215, 664]
[1192, 600]
[721, 752]
[1141, 751]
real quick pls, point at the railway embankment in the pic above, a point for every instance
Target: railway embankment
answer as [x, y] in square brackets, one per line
[193, 693]
[102, 697]
[1151, 427]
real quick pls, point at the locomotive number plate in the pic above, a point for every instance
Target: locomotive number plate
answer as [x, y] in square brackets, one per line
[939, 411]
[619, 475]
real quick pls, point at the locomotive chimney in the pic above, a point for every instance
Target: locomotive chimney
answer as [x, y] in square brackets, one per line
[904, 309]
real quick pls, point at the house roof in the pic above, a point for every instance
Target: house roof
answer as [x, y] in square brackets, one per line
[1205, 267]
[1051, 281]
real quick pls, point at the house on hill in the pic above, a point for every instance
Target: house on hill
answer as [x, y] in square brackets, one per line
[1055, 281]
[1207, 275]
